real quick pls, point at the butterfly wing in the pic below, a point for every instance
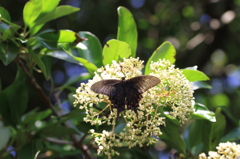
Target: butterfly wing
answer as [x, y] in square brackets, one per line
[106, 87]
[143, 83]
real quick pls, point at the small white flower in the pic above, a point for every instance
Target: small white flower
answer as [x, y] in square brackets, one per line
[174, 92]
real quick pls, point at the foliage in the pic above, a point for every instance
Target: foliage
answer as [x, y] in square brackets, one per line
[45, 129]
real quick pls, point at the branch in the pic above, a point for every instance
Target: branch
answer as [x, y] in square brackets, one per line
[45, 98]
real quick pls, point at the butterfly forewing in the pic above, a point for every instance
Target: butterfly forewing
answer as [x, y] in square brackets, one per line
[143, 83]
[106, 87]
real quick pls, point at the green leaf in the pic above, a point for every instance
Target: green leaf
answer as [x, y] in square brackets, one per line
[4, 135]
[63, 56]
[194, 144]
[233, 135]
[90, 48]
[6, 24]
[30, 150]
[164, 51]
[49, 6]
[39, 63]
[200, 84]
[91, 68]
[5, 110]
[56, 13]
[51, 39]
[56, 131]
[194, 75]
[17, 96]
[34, 116]
[127, 29]
[218, 128]
[202, 112]
[31, 11]
[212, 132]
[4, 14]
[115, 50]
[172, 137]
[8, 52]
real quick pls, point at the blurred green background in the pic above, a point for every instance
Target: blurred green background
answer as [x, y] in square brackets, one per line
[205, 33]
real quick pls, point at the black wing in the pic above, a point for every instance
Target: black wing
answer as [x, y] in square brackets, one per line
[143, 83]
[106, 87]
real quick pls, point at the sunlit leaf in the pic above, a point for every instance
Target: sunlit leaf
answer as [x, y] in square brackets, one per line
[115, 50]
[127, 29]
[164, 51]
[202, 112]
[92, 48]
[56, 13]
[31, 11]
[194, 75]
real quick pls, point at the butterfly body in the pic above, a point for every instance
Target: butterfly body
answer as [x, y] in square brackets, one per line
[123, 92]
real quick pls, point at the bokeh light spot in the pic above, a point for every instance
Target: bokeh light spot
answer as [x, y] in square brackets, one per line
[137, 3]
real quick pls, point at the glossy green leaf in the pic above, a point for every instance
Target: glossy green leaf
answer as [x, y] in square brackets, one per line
[56, 13]
[91, 48]
[127, 29]
[8, 52]
[233, 135]
[202, 112]
[4, 135]
[4, 14]
[63, 56]
[172, 137]
[7, 24]
[164, 51]
[32, 11]
[51, 39]
[194, 75]
[115, 50]
[200, 84]
[91, 68]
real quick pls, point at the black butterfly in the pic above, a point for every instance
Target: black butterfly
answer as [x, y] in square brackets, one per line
[125, 92]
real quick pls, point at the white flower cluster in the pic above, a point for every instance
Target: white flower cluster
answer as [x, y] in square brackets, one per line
[228, 150]
[174, 92]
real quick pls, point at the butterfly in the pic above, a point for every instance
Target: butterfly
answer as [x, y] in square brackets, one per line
[123, 92]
